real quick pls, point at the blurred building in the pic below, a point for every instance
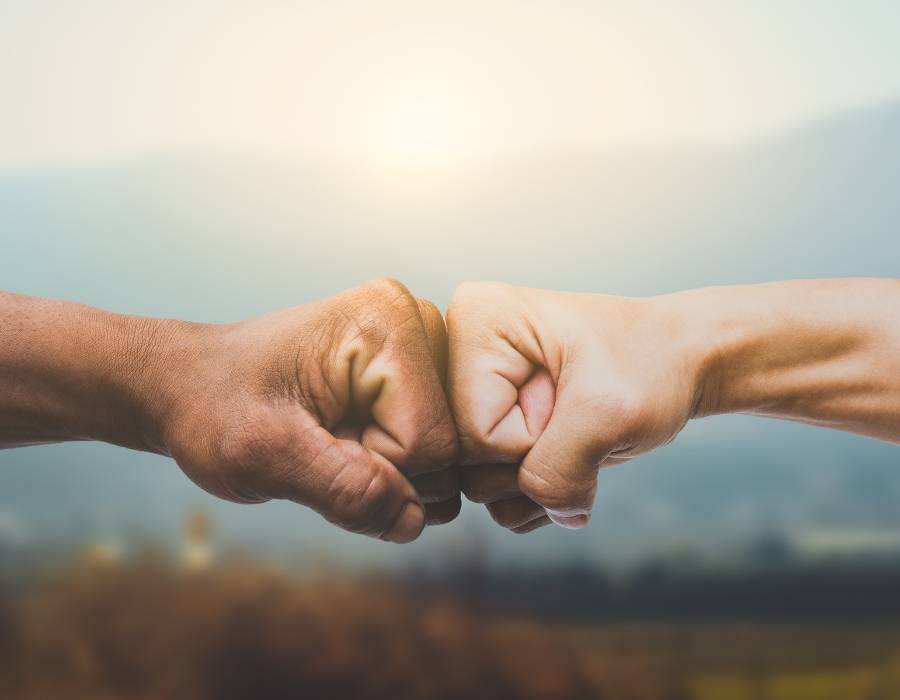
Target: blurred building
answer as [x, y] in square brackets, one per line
[197, 553]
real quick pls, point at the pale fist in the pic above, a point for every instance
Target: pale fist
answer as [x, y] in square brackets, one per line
[337, 405]
[546, 387]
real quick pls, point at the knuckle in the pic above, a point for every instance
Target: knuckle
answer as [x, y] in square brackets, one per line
[378, 310]
[388, 288]
[550, 493]
[437, 444]
[558, 491]
[431, 313]
[478, 446]
[367, 323]
[363, 506]
[390, 298]
[474, 447]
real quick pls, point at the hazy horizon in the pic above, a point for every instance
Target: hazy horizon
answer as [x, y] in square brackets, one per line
[213, 238]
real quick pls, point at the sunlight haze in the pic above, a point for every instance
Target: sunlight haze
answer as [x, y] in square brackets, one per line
[408, 85]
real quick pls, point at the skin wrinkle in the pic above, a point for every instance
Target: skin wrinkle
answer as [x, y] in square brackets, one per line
[340, 398]
[433, 428]
[378, 529]
[290, 469]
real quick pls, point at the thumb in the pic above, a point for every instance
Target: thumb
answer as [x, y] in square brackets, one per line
[560, 471]
[436, 334]
[354, 488]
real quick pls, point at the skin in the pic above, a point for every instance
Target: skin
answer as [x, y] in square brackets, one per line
[337, 405]
[340, 405]
[547, 387]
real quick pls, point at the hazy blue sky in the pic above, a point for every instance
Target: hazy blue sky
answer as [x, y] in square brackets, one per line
[399, 82]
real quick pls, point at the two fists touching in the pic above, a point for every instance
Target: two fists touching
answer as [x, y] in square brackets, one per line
[367, 408]
[361, 407]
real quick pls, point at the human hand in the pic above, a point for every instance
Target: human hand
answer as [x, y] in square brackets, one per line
[546, 387]
[337, 405]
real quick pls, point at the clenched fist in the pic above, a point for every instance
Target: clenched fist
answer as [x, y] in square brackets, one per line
[549, 386]
[338, 405]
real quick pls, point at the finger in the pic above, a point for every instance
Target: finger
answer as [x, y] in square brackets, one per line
[501, 399]
[436, 333]
[485, 373]
[536, 399]
[515, 512]
[560, 471]
[487, 483]
[444, 512]
[483, 385]
[533, 525]
[347, 431]
[435, 487]
[412, 424]
[350, 485]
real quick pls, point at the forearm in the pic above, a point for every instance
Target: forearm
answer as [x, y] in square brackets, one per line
[825, 352]
[72, 372]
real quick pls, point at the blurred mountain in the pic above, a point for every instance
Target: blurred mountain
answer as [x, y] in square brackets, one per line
[216, 237]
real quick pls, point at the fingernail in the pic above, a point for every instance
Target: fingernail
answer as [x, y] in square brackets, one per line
[408, 525]
[570, 522]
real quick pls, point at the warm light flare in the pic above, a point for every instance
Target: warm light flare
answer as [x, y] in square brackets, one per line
[418, 133]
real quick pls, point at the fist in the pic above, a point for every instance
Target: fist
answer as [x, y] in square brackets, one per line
[547, 387]
[338, 405]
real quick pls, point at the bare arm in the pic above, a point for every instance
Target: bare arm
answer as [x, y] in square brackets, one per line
[823, 352]
[566, 383]
[337, 405]
[72, 372]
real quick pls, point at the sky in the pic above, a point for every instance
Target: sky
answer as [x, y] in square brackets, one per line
[412, 84]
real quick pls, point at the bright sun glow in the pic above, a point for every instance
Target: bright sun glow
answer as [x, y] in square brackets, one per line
[424, 118]
[417, 134]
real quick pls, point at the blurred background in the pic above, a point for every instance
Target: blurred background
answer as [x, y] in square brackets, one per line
[216, 160]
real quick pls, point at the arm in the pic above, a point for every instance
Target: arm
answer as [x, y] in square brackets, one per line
[71, 372]
[337, 405]
[580, 381]
[823, 352]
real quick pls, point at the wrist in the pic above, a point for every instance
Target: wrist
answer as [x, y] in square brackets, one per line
[709, 335]
[154, 361]
[131, 371]
[72, 372]
[784, 349]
